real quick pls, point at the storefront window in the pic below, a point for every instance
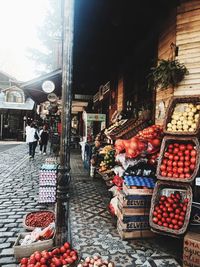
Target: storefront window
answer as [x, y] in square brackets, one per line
[15, 97]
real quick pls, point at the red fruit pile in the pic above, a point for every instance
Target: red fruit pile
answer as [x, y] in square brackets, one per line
[152, 132]
[170, 211]
[57, 257]
[178, 160]
[40, 219]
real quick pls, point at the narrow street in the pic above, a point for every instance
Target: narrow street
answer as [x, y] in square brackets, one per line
[92, 230]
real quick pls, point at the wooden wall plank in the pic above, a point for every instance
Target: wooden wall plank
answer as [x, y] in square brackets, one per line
[188, 6]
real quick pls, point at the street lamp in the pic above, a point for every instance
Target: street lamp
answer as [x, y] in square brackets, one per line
[62, 196]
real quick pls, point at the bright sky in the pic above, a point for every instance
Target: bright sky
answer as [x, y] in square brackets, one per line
[19, 20]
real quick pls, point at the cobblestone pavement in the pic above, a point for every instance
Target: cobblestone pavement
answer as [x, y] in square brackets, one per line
[18, 195]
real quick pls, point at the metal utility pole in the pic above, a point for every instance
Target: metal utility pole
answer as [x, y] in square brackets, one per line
[62, 205]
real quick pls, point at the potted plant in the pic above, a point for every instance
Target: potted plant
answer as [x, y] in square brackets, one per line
[167, 73]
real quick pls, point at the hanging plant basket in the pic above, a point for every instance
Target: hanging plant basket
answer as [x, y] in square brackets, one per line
[168, 73]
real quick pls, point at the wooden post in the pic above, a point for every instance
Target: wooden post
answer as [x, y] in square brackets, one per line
[62, 210]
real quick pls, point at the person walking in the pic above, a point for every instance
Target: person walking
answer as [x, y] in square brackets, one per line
[44, 137]
[32, 139]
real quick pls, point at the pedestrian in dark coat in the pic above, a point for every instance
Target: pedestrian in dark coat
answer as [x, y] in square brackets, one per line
[44, 137]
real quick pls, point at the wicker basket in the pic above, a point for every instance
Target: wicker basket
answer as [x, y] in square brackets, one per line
[160, 185]
[174, 101]
[27, 250]
[167, 140]
[30, 228]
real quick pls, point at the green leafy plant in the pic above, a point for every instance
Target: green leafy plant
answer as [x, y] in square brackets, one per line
[167, 73]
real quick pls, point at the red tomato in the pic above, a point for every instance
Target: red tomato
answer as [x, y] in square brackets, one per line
[187, 152]
[170, 146]
[62, 249]
[171, 157]
[181, 218]
[187, 175]
[182, 214]
[164, 161]
[176, 150]
[154, 214]
[177, 211]
[181, 175]
[193, 159]
[163, 198]
[192, 167]
[174, 221]
[176, 216]
[186, 200]
[193, 153]
[159, 216]
[176, 227]
[169, 168]
[181, 158]
[174, 164]
[69, 260]
[165, 224]
[168, 205]
[187, 158]
[176, 145]
[175, 175]
[169, 174]
[165, 209]
[165, 214]
[43, 260]
[24, 261]
[190, 147]
[180, 223]
[176, 158]
[182, 147]
[163, 167]
[170, 209]
[186, 170]
[180, 154]
[38, 256]
[180, 164]
[170, 200]
[163, 220]
[156, 142]
[166, 154]
[180, 170]
[164, 174]
[171, 215]
[67, 245]
[168, 220]
[171, 226]
[187, 163]
[159, 223]
[169, 163]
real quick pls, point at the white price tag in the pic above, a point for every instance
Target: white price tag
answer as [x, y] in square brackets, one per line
[197, 181]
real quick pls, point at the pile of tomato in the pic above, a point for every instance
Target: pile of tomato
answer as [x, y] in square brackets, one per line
[151, 132]
[40, 218]
[178, 160]
[170, 211]
[55, 258]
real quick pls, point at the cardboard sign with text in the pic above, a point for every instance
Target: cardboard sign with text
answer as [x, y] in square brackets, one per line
[191, 250]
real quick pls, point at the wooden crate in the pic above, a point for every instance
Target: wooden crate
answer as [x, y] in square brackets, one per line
[133, 234]
[129, 191]
[130, 205]
[27, 250]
